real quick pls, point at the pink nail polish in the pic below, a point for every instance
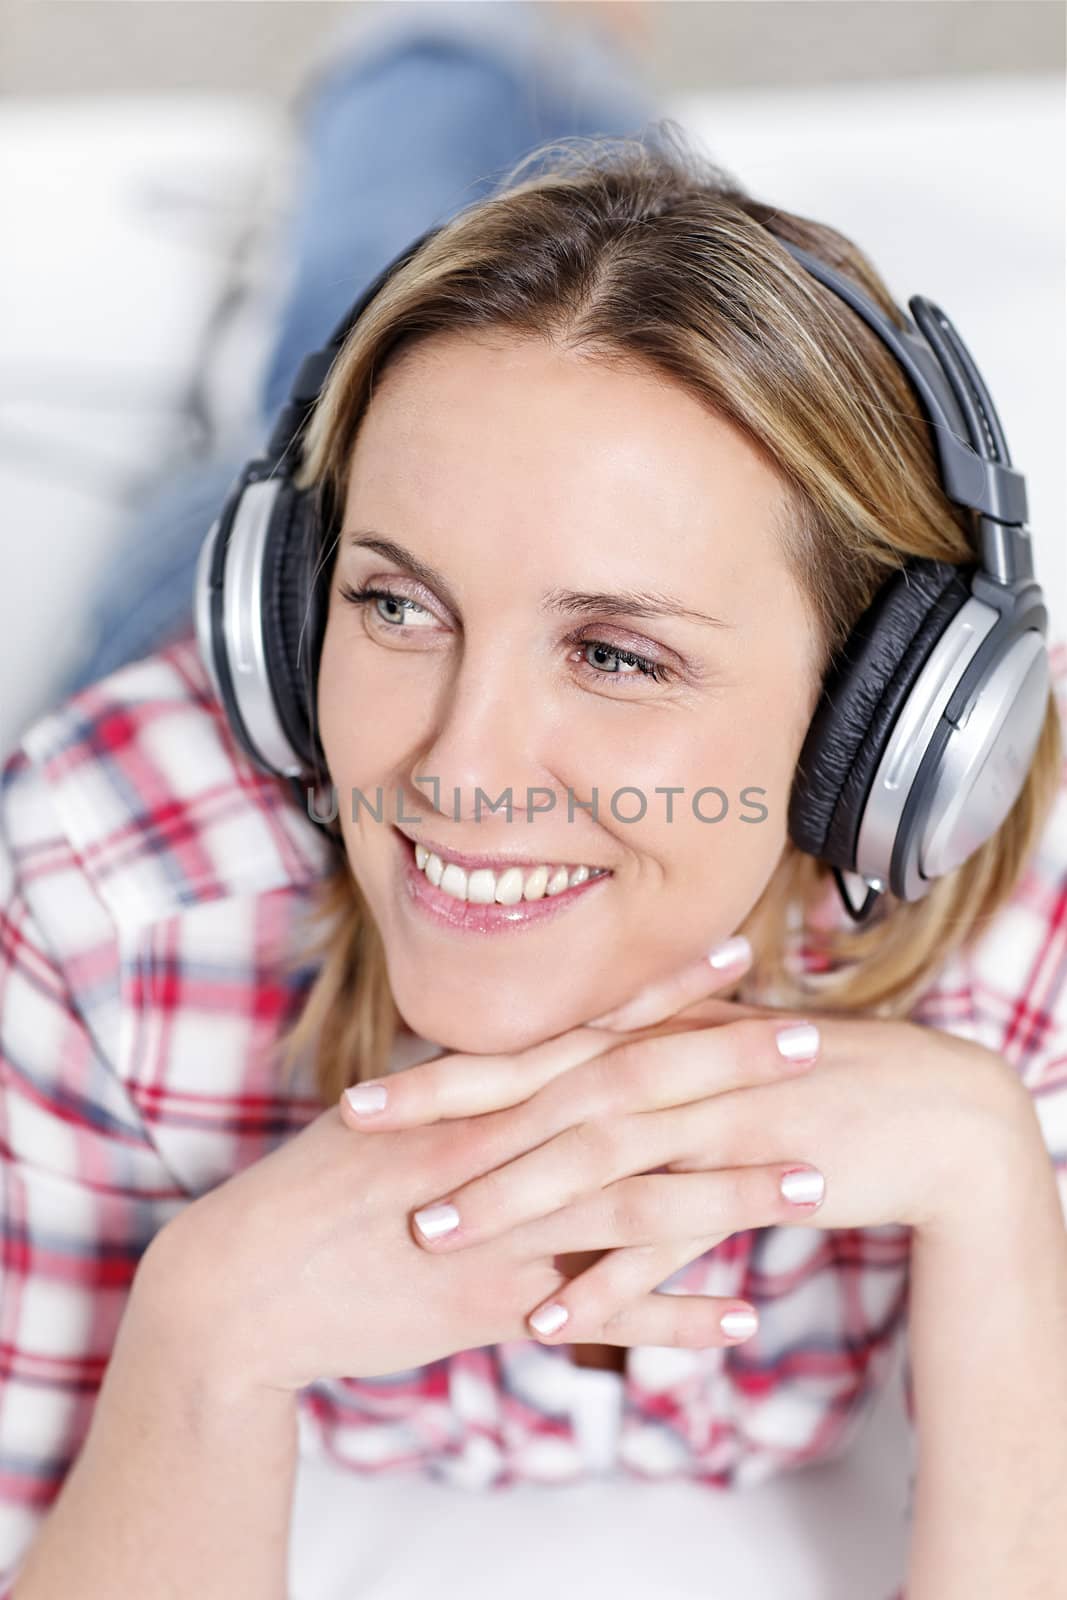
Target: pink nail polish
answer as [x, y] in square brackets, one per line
[730, 954]
[798, 1043]
[546, 1319]
[433, 1221]
[803, 1186]
[366, 1098]
[739, 1324]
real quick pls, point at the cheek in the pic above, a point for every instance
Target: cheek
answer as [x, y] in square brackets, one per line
[722, 748]
[368, 719]
[340, 726]
[729, 822]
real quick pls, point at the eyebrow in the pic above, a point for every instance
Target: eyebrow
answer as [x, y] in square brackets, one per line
[572, 602]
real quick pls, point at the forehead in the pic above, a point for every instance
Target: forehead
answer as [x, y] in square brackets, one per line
[480, 432]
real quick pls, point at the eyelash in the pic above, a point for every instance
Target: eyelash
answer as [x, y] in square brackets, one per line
[647, 669]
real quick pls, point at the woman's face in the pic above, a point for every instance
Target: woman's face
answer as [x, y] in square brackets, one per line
[521, 475]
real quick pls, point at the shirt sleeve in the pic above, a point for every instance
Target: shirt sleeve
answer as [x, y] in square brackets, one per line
[1010, 991]
[81, 1187]
[1018, 987]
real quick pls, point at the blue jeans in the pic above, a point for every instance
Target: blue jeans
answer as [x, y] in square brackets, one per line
[415, 118]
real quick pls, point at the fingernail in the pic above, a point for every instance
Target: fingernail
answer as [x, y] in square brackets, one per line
[803, 1186]
[799, 1042]
[730, 954]
[366, 1097]
[433, 1221]
[546, 1319]
[739, 1324]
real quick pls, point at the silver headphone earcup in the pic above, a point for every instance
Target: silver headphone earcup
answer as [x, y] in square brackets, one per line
[232, 621]
[987, 758]
[961, 743]
[870, 699]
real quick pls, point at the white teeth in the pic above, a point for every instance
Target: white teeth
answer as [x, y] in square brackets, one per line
[481, 887]
[484, 887]
[535, 884]
[454, 881]
[509, 887]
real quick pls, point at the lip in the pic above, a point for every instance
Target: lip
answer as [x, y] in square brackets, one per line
[461, 916]
[498, 863]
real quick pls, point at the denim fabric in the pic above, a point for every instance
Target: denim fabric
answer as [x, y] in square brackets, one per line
[416, 116]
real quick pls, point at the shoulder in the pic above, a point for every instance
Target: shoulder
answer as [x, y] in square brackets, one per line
[1007, 988]
[135, 788]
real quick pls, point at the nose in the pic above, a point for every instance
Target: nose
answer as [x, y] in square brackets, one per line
[490, 728]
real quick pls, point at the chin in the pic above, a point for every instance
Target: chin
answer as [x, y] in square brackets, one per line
[476, 1035]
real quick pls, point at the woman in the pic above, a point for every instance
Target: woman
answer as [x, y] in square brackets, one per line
[659, 402]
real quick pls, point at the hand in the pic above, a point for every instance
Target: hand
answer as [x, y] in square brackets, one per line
[303, 1265]
[656, 1148]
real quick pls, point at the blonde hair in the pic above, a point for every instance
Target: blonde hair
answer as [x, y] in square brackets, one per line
[644, 252]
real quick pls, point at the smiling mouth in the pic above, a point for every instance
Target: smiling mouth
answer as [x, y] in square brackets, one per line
[485, 900]
[496, 879]
[485, 887]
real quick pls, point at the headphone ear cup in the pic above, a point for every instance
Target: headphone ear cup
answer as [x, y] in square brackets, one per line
[309, 588]
[862, 697]
[289, 622]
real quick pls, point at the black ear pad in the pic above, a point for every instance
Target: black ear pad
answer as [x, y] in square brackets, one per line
[286, 581]
[309, 593]
[862, 696]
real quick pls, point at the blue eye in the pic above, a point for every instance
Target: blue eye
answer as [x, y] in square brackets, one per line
[647, 669]
[639, 666]
[360, 597]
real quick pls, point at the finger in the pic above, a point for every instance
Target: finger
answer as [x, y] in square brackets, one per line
[453, 1085]
[720, 966]
[644, 1104]
[615, 1302]
[462, 1085]
[652, 1208]
[656, 1071]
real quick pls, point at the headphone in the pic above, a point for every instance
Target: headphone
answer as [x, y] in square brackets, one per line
[929, 714]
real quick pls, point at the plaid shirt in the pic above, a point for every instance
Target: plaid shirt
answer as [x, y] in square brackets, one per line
[151, 881]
